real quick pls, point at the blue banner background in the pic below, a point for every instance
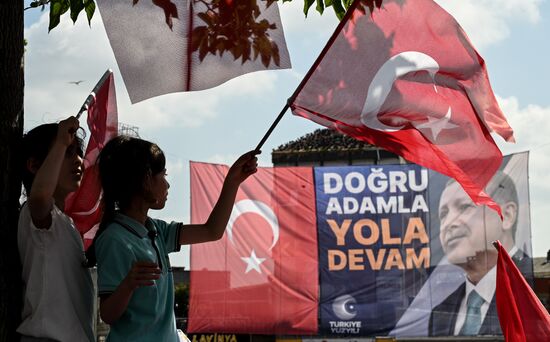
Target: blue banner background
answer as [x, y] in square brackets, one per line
[366, 302]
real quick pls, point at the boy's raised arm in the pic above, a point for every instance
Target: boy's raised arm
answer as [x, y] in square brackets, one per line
[41, 198]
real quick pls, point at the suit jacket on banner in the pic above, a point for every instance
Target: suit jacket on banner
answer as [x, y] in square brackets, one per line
[443, 317]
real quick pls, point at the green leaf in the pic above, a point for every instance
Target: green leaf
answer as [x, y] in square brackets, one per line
[57, 8]
[347, 3]
[338, 9]
[307, 5]
[89, 7]
[320, 6]
[76, 7]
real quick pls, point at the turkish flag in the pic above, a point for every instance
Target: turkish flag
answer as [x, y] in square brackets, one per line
[406, 78]
[83, 205]
[521, 315]
[262, 276]
[164, 46]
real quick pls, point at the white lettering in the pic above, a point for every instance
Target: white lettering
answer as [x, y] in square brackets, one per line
[332, 183]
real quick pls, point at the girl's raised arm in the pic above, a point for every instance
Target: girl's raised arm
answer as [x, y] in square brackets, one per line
[214, 227]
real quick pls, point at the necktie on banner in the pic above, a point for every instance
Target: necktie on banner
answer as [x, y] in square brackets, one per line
[521, 315]
[262, 277]
[164, 46]
[83, 205]
[406, 78]
[473, 314]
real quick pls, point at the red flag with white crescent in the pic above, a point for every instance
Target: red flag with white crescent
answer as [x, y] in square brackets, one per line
[83, 205]
[405, 77]
[262, 276]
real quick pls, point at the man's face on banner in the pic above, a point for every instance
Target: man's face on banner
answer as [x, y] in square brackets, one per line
[465, 228]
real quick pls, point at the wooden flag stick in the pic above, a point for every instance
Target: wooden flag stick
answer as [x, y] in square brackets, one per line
[268, 133]
[90, 97]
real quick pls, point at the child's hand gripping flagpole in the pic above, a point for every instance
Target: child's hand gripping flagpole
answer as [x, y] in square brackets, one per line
[92, 95]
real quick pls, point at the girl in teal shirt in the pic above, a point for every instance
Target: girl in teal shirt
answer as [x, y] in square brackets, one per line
[131, 249]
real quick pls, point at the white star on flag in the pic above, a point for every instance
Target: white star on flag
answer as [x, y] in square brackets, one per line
[253, 262]
[437, 125]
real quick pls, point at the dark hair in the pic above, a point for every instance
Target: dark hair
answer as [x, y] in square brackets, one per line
[36, 144]
[124, 165]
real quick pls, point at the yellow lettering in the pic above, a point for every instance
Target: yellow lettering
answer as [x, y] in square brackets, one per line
[386, 233]
[375, 263]
[340, 232]
[423, 257]
[355, 257]
[415, 230]
[358, 232]
[394, 259]
[332, 265]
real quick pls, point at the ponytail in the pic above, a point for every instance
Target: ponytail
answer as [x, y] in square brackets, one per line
[109, 211]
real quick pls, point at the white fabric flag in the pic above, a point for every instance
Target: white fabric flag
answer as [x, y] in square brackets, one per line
[164, 46]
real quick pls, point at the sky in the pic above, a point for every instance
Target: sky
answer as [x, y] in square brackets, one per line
[217, 125]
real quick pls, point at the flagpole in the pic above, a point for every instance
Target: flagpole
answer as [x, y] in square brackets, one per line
[291, 99]
[268, 133]
[90, 97]
[189, 47]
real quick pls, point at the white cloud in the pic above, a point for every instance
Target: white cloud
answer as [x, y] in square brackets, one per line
[530, 124]
[225, 159]
[175, 167]
[488, 22]
[295, 22]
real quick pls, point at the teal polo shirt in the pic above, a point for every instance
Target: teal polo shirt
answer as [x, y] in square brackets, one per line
[149, 315]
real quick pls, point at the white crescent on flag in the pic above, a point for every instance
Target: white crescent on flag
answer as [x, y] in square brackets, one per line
[257, 207]
[382, 83]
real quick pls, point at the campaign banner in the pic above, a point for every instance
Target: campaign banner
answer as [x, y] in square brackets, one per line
[401, 248]
[373, 240]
